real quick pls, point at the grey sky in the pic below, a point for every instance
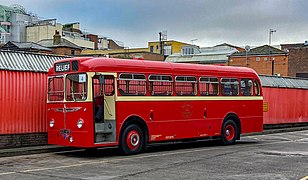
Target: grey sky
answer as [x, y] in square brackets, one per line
[135, 22]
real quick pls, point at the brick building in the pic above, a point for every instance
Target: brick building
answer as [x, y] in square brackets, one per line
[298, 59]
[265, 60]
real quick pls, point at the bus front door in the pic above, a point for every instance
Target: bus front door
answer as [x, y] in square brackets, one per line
[103, 87]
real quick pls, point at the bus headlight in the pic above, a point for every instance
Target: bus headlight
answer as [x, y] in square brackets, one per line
[80, 123]
[71, 139]
[52, 123]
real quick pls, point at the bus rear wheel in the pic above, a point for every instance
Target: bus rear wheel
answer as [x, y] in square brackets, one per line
[229, 132]
[132, 140]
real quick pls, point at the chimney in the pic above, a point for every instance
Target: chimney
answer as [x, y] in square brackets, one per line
[56, 38]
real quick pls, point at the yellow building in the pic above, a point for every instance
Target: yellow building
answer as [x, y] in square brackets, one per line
[169, 47]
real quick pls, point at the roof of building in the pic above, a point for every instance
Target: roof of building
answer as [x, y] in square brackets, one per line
[284, 82]
[206, 55]
[63, 43]
[295, 46]
[169, 41]
[11, 45]
[22, 61]
[261, 50]
[230, 45]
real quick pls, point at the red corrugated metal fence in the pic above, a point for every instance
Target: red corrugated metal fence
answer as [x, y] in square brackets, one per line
[23, 102]
[285, 105]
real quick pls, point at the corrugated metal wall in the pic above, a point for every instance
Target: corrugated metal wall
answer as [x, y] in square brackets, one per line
[23, 87]
[23, 102]
[285, 105]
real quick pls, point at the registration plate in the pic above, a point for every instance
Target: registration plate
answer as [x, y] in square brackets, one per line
[65, 131]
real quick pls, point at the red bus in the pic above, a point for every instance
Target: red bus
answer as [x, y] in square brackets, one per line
[97, 102]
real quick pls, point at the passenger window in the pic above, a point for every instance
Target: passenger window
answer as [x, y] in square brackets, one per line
[246, 87]
[229, 86]
[185, 85]
[160, 85]
[208, 86]
[132, 84]
[107, 88]
[257, 88]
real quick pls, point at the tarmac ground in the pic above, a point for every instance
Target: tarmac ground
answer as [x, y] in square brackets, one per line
[279, 154]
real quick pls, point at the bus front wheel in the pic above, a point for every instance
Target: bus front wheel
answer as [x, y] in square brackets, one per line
[229, 132]
[132, 140]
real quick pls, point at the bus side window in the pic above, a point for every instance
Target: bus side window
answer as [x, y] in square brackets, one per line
[229, 87]
[186, 85]
[246, 87]
[160, 85]
[257, 88]
[132, 84]
[208, 86]
[109, 85]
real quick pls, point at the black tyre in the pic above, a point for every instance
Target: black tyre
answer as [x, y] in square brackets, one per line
[229, 132]
[132, 140]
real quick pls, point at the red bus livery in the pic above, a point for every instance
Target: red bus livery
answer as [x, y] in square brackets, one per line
[97, 102]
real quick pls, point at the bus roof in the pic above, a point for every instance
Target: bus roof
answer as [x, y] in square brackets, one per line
[102, 64]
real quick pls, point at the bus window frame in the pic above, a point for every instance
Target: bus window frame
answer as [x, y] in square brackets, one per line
[222, 88]
[243, 91]
[258, 86]
[125, 93]
[194, 93]
[209, 82]
[151, 91]
[86, 84]
[64, 87]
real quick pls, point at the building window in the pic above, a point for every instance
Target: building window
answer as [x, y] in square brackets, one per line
[257, 58]
[265, 59]
[72, 52]
[157, 47]
[151, 49]
[167, 50]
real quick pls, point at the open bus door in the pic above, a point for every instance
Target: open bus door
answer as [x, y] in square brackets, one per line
[103, 87]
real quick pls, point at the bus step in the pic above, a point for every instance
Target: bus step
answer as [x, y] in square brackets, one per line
[105, 128]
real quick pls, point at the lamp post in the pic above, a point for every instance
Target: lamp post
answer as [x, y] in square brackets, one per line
[247, 49]
[271, 32]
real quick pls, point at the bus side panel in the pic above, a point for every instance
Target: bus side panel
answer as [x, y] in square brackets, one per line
[251, 116]
[191, 119]
[83, 137]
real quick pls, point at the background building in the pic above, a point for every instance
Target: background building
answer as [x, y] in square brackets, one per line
[266, 60]
[298, 59]
[166, 47]
[13, 23]
[206, 55]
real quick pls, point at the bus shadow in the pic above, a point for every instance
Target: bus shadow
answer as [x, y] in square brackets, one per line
[153, 148]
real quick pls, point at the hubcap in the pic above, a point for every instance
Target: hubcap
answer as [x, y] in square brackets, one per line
[229, 132]
[133, 140]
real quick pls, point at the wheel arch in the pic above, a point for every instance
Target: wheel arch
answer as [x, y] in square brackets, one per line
[135, 119]
[233, 116]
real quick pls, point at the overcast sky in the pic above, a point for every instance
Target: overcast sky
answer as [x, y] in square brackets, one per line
[135, 22]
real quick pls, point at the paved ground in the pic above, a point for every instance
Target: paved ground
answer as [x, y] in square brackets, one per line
[271, 156]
